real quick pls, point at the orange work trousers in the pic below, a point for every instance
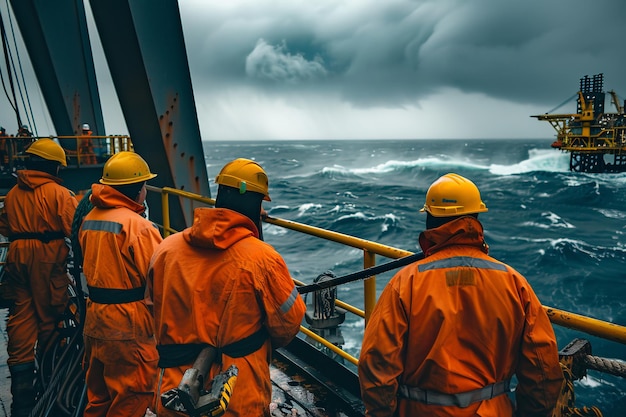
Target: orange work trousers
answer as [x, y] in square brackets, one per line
[39, 289]
[120, 378]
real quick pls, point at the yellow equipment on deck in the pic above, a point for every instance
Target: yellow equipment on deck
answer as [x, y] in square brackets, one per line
[192, 399]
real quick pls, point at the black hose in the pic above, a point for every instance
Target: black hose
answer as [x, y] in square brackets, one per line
[366, 273]
[61, 377]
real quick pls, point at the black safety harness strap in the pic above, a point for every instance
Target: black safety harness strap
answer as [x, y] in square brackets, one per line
[115, 296]
[462, 399]
[183, 354]
[45, 237]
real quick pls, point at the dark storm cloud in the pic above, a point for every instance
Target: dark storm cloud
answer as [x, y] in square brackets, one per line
[398, 52]
[274, 63]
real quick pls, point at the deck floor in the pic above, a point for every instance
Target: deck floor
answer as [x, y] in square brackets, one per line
[292, 395]
[5, 379]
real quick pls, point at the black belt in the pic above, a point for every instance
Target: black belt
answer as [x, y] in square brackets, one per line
[116, 296]
[183, 354]
[462, 399]
[45, 237]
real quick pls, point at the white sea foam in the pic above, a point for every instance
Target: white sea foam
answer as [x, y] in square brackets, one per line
[395, 165]
[388, 219]
[306, 207]
[270, 229]
[591, 382]
[612, 214]
[359, 215]
[554, 221]
[548, 160]
[335, 209]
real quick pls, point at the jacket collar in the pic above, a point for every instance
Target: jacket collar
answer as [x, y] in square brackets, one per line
[466, 231]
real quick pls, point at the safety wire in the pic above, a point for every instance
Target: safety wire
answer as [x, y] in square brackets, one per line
[25, 102]
[567, 100]
[318, 285]
[6, 51]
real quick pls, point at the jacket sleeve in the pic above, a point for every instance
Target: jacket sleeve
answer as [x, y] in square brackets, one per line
[67, 204]
[143, 248]
[381, 360]
[282, 303]
[538, 372]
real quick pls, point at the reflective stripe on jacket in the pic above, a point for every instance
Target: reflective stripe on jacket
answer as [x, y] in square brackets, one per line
[454, 322]
[117, 243]
[217, 283]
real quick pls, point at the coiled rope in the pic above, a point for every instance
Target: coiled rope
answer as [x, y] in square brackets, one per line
[567, 398]
[61, 381]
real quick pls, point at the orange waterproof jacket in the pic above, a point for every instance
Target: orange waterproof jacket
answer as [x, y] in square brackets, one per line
[37, 206]
[458, 321]
[117, 243]
[216, 283]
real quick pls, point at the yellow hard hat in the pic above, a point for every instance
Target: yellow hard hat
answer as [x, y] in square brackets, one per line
[48, 149]
[453, 195]
[245, 175]
[125, 168]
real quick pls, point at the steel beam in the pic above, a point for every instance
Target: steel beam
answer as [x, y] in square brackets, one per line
[145, 50]
[57, 40]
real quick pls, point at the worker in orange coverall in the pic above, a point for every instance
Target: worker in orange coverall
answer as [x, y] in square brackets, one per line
[117, 243]
[217, 283]
[450, 331]
[86, 148]
[37, 218]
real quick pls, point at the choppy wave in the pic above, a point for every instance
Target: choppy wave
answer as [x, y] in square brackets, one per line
[553, 220]
[386, 221]
[538, 160]
[400, 166]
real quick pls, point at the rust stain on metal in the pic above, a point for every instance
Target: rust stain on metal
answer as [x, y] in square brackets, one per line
[175, 147]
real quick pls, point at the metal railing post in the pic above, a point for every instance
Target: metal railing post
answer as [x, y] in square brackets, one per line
[369, 285]
[166, 213]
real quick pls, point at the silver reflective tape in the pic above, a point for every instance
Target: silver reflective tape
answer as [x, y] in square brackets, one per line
[462, 261]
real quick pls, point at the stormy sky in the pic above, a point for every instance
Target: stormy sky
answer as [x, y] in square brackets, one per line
[397, 69]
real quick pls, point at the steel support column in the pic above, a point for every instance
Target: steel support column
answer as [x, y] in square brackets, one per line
[56, 37]
[145, 50]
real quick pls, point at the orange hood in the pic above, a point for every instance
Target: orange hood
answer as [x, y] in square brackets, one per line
[218, 228]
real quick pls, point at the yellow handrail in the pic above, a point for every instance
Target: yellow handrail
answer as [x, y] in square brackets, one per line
[589, 325]
[329, 345]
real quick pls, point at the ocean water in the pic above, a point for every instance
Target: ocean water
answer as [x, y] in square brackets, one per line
[564, 231]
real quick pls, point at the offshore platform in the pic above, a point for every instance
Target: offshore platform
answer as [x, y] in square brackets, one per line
[595, 140]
